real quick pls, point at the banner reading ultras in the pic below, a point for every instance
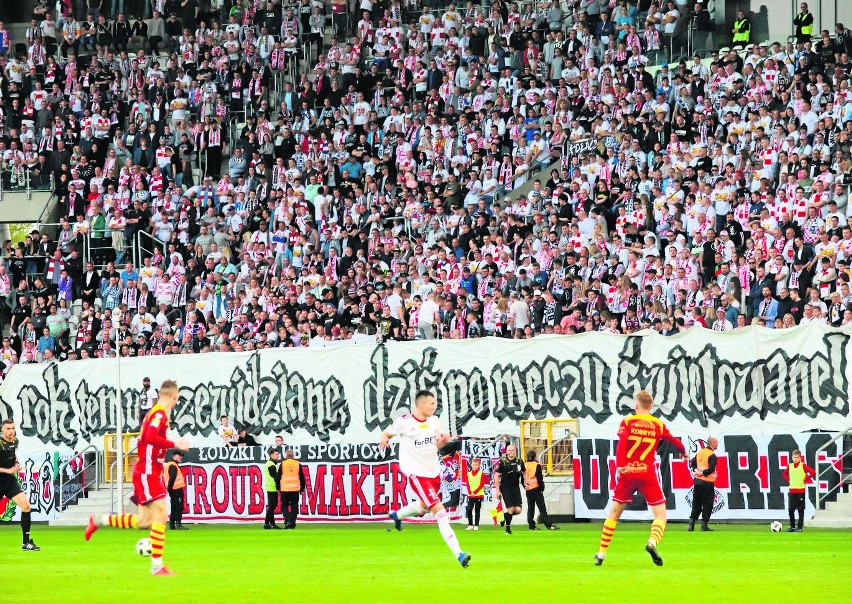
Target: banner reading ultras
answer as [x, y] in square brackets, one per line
[750, 481]
[351, 483]
[750, 381]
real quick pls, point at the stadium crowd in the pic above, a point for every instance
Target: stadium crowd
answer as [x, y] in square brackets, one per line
[301, 188]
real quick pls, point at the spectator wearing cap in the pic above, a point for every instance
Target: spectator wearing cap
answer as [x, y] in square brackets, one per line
[721, 323]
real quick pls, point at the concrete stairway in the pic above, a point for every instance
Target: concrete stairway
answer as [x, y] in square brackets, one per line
[97, 502]
[559, 499]
[837, 514]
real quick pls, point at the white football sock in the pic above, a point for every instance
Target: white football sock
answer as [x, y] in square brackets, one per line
[412, 509]
[156, 563]
[447, 532]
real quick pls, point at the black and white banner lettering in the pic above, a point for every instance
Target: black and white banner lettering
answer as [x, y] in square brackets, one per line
[751, 381]
[750, 484]
[583, 147]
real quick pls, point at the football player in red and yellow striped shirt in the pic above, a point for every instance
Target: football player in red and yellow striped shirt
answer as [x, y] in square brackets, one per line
[638, 437]
[148, 487]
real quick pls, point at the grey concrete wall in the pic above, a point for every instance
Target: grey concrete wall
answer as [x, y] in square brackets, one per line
[777, 16]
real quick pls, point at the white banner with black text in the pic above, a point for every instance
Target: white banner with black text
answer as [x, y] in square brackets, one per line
[753, 381]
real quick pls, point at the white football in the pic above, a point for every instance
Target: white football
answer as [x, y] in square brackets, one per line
[776, 527]
[143, 547]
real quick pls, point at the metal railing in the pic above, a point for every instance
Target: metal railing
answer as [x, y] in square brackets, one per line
[99, 250]
[820, 494]
[140, 252]
[86, 482]
[547, 468]
[513, 440]
[567, 457]
[16, 185]
[393, 220]
[114, 496]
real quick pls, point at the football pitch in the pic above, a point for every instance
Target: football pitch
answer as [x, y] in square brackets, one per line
[364, 563]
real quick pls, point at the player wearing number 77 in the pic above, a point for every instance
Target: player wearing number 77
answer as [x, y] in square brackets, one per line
[420, 436]
[638, 437]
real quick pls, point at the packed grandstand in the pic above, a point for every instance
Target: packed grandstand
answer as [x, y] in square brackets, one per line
[268, 175]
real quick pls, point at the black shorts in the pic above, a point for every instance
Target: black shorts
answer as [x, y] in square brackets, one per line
[9, 487]
[512, 498]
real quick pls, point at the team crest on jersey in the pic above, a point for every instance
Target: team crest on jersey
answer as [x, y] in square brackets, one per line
[635, 467]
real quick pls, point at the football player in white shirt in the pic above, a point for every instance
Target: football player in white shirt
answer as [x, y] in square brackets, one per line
[420, 436]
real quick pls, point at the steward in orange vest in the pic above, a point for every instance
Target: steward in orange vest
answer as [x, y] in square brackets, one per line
[176, 485]
[291, 484]
[704, 489]
[534, 484]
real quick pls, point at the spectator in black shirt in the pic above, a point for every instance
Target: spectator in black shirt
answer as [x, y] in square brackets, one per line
[173, 28]
[18, 266]
[245, 439]
[388, 326]
[21, 311]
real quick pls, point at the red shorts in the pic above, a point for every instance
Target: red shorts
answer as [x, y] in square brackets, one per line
[148, 487]
[647, 484]
[428, 490]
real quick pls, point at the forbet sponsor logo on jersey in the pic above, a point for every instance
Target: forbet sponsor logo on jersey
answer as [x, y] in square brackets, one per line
[429, 440]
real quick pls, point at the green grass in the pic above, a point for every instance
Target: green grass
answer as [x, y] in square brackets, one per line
[364, 563]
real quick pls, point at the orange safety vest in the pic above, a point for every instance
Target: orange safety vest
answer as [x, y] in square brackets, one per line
[474, 484]
[179, 481]
[290, 476]
[530, 481]
[702, 462]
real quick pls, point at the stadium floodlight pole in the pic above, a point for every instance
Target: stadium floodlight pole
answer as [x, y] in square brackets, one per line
[119, 416]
